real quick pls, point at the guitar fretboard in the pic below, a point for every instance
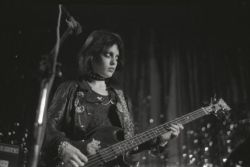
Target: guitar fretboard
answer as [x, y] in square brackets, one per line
[109, 153]
[143, 137]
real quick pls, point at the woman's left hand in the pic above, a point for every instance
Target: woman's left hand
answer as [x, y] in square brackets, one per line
[174, 131]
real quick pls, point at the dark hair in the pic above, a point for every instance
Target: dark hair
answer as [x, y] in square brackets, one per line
[96, 43]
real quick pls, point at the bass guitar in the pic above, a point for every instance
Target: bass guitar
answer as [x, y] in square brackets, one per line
[113, 150]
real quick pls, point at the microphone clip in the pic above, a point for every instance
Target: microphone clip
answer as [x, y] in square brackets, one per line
[74, 25]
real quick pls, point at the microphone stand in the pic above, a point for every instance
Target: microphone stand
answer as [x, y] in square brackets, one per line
[46, 85]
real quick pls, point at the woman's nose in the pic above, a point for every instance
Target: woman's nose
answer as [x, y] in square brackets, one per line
[113, 61]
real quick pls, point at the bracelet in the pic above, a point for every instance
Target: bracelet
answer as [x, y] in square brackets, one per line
[61, 148]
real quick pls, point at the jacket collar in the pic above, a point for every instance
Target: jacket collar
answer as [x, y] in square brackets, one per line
[89, 94]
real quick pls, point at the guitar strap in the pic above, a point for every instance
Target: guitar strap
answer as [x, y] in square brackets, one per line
[124, 115]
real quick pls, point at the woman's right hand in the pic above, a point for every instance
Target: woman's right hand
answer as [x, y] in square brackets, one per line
[72, 157]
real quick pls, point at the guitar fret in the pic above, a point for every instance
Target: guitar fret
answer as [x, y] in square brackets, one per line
[107, 151]
[138, 140]
[154, 133]
[117, 149]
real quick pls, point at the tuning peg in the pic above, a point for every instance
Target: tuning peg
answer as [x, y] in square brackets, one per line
[214, 99]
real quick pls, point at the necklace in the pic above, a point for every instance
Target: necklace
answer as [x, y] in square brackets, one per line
[103, 99]
[109, 102]
[106, 100]
[95, 76]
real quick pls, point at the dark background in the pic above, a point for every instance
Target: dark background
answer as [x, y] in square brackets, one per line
[28, 31]
[214, 35]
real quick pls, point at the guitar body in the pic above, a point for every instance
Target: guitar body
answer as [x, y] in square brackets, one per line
[109, 136]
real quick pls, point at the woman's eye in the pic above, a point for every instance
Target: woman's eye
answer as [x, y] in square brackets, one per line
[107, 54]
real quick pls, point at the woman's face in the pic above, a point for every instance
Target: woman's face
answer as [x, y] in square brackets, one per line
[105, 64]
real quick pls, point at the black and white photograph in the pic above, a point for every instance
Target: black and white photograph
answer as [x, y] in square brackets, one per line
[125, 84]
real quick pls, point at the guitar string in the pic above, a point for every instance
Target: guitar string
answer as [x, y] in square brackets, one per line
[112, 150]
[108, 155]
[162, 128]
[176, 120]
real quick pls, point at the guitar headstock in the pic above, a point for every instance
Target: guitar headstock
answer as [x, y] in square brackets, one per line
[217, 107]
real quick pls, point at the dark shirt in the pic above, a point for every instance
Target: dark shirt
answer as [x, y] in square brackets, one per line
[99, 108]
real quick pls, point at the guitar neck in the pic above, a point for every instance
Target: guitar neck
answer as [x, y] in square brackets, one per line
[109, 153]
[140, 138]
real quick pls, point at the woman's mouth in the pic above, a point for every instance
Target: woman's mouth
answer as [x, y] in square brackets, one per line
[111, 69]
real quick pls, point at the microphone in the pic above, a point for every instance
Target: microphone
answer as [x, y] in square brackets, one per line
[72, 22]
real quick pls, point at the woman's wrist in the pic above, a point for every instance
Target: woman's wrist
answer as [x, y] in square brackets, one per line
[61, 148]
